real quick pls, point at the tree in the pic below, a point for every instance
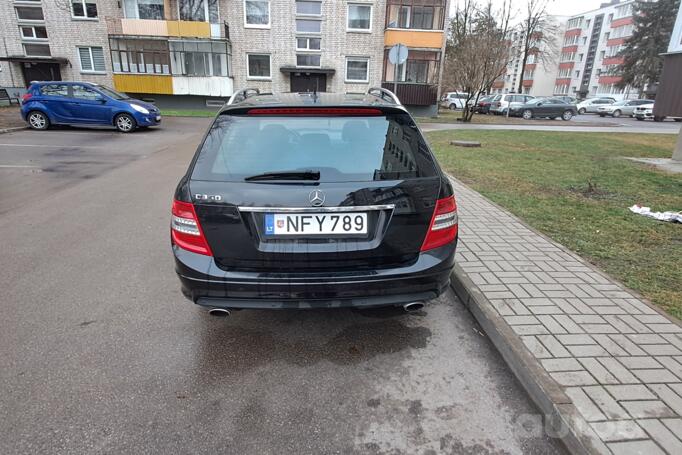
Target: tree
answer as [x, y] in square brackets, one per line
[653, 26]
[476, 51]
[538, 36]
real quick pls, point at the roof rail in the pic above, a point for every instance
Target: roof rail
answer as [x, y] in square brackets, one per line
[242, 94]
[384, 94]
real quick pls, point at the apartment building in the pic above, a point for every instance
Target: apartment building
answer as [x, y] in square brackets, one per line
[538, 75]
[589, 55]
[198, 52]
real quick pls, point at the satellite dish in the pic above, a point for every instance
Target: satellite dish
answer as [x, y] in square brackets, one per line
[398, 54]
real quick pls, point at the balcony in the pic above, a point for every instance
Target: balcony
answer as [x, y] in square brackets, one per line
[419, 39]
[414, 94]
[162, 28]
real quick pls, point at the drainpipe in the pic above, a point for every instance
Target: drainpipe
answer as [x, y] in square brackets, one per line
[446, 25]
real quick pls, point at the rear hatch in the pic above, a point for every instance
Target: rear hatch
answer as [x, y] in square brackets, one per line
[312, 189]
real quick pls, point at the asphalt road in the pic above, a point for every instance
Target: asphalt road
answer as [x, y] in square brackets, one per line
[100, 353]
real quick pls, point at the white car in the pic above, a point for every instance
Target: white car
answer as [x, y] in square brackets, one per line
[625, 107]
[646, 111]
[593, 104]
[454, 100]
[500, 103]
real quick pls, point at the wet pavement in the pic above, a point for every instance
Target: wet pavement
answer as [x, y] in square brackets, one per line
[100, 353]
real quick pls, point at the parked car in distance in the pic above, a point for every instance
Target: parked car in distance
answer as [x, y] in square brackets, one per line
[454, 100]
[84, 103]
[501, 103]
[313, 201]
[545, 107]
[623, 107]
[483, 105]
[646, 111]
[591, 106]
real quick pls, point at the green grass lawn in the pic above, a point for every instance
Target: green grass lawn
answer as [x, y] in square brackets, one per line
[575, 188]
[188, 113]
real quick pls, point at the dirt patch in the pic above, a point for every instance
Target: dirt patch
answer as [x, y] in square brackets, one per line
[10, 117]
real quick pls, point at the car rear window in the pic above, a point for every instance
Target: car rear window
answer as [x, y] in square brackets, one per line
[355, 148]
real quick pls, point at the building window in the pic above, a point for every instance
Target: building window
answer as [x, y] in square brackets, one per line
[92, 59]
[84, 9]
[27, 13]
[311, 60]
[258, 66]
[413, 14]
[308, 44]
[33, 32]
[308, 8]
[359, 17]
[357, 69]
[143, 9]
[200, 58]
[308, 26]
[257, 13]
[199, 10]
[139, 56]
[37, 50]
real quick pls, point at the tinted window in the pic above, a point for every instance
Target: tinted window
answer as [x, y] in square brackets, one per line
[54, 90]
[341, 148]
[83, 92]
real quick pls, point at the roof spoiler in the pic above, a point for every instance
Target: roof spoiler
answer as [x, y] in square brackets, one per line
[242, 94]
[384, 94]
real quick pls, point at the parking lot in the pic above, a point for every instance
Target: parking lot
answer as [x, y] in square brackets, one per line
[99, 351]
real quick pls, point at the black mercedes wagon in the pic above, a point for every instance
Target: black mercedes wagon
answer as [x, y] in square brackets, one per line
[307, 200]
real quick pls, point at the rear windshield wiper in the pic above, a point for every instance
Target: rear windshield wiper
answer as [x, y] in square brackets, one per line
[285, 175]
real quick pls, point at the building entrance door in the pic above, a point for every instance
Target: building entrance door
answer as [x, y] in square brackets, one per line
[40, 72]
[310, 82]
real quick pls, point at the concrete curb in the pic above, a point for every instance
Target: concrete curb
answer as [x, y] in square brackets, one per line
[562, 419]
[11, 130]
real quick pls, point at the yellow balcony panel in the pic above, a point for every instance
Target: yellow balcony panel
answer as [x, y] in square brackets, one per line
[144, 27]
[189, 29]
[144, 83]
[428, 39]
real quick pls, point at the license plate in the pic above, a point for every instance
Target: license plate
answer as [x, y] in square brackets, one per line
[315, 223]
[158, 118]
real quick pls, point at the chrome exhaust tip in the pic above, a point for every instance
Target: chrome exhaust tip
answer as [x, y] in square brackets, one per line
[219, 312]
[413, 306]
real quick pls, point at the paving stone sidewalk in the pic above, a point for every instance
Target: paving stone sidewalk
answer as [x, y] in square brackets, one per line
[617, 358]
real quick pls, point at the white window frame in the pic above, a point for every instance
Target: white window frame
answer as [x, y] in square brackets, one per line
[306, 14]
[29, 21]
[32, 38]
[308, 53]
[23, 48]
[356, 81]
[371, 22]
[268, 25]
[258, 78]
[309, 19]
[207, 12]
[83, 18]
[308, 38]
[92, 60]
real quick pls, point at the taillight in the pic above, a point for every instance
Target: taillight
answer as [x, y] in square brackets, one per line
[185, 229]
[26, 97]
[443, 227]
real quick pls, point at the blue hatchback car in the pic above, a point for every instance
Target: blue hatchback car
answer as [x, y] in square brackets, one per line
[84, 103]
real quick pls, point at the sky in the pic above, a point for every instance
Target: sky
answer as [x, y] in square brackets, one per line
[556, 7]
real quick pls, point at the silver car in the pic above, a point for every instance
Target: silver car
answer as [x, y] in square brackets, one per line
[625, 107]
[593, 104]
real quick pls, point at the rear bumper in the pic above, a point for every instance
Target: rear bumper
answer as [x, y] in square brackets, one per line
[206, 284]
